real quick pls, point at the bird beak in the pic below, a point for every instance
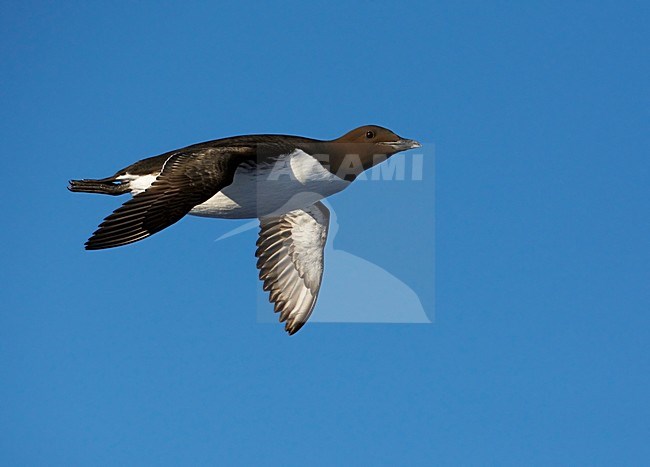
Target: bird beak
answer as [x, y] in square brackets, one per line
[403, 144]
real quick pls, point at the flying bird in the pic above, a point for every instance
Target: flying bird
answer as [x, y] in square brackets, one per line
[277, 179]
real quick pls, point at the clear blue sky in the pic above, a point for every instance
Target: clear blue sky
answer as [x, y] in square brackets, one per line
[153, 353]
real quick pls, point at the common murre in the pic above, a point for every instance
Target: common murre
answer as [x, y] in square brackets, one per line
[276, 178]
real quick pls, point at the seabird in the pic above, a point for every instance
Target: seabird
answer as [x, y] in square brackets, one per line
[277, 179]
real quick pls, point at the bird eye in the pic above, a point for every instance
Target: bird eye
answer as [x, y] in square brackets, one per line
[370, 134]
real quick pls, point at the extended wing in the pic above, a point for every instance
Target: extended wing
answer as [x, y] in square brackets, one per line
[188, 178]
[290, 251]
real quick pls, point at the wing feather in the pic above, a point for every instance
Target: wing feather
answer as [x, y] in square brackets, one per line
[290, 260]
[188, 178]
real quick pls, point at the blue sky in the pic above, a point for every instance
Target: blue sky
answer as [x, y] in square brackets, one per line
[536, 116]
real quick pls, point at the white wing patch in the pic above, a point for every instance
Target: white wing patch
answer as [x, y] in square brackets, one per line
[139, 183]
[290, 252]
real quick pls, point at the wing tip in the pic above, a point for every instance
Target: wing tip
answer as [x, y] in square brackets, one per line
[99, 240]
[293, 327]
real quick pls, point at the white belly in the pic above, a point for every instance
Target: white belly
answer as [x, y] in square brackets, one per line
[295, 181]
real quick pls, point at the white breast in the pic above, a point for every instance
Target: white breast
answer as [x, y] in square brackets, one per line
[295, 181]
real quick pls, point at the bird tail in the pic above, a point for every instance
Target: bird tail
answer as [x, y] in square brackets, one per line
[104, 186]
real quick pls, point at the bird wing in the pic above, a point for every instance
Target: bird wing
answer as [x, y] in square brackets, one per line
[188, 178]
[290, 260]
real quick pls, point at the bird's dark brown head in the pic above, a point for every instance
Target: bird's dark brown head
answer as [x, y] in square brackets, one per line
[379, 139]
[362, 148]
